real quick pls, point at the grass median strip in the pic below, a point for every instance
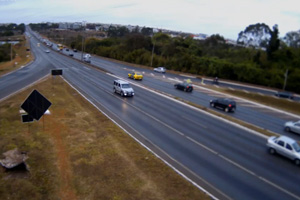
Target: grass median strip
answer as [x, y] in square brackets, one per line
[78, 153]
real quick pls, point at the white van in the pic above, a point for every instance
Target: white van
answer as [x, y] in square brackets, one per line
[123, 88]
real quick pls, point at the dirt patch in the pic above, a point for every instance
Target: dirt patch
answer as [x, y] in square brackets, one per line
[78, 153]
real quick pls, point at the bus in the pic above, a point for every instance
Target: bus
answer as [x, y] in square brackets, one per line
[60, 46]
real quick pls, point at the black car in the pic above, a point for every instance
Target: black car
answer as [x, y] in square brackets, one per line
[285, 95]
[227, 105]
[187, 87]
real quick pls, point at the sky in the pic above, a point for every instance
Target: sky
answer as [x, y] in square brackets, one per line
[225, 17]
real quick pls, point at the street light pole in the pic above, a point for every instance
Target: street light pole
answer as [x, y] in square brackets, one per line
[152, 53]
[285, 78]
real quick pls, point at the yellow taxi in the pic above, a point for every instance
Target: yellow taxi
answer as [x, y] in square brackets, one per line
[135, 76]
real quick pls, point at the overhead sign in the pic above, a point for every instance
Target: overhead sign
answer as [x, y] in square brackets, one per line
[36, 105]
[27, 118]
[56, 72]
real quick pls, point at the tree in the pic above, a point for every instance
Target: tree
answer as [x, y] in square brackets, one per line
[273, 43]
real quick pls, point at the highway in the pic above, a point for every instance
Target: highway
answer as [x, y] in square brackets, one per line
[226, 160]
[257, 115]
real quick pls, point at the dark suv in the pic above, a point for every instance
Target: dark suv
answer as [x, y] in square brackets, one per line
[227, 105]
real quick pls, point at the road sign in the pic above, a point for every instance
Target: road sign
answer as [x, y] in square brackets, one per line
[36, 105]
[56, 72]
[27, 118]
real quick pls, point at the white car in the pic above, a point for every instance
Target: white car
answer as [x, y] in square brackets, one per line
[123, 88]
[292, 127]
[284, 146]
[160, 69]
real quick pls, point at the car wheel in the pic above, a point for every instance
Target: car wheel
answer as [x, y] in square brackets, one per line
[184, 89]
[297, 162]
[227, 109]
[115, 90]
[122, 94]
[288, 129]
[175, 86]
[212, 105]
[232, 109]
[272, 151]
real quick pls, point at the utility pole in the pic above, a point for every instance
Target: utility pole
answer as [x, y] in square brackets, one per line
[152, 53]
[82, 49]
[285, 78]
[11, 52]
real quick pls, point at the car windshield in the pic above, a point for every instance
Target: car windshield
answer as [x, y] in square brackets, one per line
[125, 85]
[296, 146]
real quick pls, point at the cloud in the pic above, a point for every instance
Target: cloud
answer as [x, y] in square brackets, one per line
[227, 18]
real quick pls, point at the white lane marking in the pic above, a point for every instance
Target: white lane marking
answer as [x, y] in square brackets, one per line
[152, 74]
[143, 145]
[252, 102]
[172, 79]
[196, 142]
[261, 94]
[248, 86]
[87, 68]
[217, 86]
[24, 88]
[230, 88]
[124, 68]
[164, 76]
[246, 91]
[187, 76]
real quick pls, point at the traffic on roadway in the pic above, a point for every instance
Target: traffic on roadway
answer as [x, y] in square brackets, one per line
[226, 159]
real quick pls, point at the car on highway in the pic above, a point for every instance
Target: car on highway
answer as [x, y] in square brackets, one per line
[47, 51]
[123, 88]
[292, 126]
[287, 95]
[225, 104]
[284, 146]
[187, 87]
[135, 76]
[160, 69]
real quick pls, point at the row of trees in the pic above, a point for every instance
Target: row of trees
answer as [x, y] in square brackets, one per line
[211, 57]
[5, 52]
[11, 29]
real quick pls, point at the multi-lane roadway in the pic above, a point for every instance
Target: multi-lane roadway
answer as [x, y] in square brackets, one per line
[228, 161]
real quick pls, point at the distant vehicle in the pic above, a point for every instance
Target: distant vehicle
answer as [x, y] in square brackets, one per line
[135, 76]
[60, 47]
[292, 127]
[284, 146]
[87, 58]
[288, 95]
[71, 54]
[75, 50]
[160, 69]
[123, 88]
[47, 51]
[216, 81]
[187, 87]
[227, 105]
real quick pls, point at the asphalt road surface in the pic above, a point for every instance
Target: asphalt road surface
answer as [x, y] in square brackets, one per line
[226, 160]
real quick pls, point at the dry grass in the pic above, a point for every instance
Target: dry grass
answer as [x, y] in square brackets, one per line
[22, 57]
[80, 154]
